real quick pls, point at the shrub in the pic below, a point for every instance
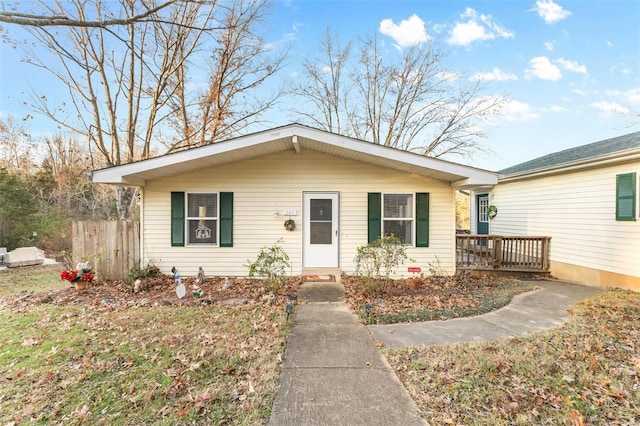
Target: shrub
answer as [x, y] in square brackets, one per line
[384, 253]
[271, 263]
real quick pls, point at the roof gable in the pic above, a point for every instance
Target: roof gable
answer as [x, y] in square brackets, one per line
[586, 153]
[298, 138]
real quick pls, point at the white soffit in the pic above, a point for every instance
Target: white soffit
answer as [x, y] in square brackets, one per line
[299, 138]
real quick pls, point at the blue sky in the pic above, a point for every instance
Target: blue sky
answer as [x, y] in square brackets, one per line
[571, 69]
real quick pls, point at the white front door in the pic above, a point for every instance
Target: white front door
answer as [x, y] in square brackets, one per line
[320, 231]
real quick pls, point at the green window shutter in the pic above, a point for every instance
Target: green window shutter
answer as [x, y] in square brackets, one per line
[374, 227]
[226, 219]
[626, 196]
[422, 219]
[177, 219]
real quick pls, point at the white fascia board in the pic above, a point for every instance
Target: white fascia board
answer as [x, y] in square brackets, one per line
[475, 175]
[123, 174]
[134, 173]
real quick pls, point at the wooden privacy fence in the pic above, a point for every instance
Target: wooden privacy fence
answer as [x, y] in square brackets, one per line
[111, 247]
[499, 252]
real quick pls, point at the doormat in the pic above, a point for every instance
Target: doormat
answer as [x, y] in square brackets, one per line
[318, 278]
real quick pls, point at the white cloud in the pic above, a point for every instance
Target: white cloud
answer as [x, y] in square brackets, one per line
[631, 96]
[549, 45]
[558, 108]
[518, 111]
[610, 107]
[572, 66]
[542, 68]
[474, 27]
[326, 69]
[410, 32]
[496, 75]
[550, 11]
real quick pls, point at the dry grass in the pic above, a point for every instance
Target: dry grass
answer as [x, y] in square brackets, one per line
[120, 364]
[586, 372]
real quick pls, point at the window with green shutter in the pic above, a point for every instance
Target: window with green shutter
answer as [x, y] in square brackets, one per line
[374, 211]
[422, 219]
[226, 219]
[400, 215]
[177, 219]
[202, 219]
[626, 196]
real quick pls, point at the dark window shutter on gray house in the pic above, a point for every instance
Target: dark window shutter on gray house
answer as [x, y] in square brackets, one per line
[422, 219]
[374, 209]
[226, 219]
[177, 219]
[626, 196]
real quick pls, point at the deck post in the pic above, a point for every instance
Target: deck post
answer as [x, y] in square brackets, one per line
[497, 252]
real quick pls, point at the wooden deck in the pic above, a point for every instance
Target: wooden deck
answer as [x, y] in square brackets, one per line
[504, 253]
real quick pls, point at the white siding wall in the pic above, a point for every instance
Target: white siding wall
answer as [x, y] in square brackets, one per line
[578, 211]
[276, 183]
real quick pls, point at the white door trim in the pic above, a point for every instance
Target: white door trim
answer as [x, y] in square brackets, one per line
[325, 252]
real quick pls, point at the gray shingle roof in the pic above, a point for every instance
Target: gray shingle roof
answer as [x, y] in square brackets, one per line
[584, 152]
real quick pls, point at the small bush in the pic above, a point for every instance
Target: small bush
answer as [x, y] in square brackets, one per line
[382, 254]
[148, 271]
[271, 263]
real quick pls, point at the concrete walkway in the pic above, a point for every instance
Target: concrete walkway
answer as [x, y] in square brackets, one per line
[333, 373]
[527, 313]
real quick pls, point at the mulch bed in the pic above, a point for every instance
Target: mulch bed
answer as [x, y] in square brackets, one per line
[161, 291]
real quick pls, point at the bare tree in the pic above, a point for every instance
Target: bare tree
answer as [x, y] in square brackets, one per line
[59, 19]
[240, 63]
[410, 103]
[324, 86]
[16, 145]
[136, 86]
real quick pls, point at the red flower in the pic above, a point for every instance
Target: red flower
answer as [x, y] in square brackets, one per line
[73, 276]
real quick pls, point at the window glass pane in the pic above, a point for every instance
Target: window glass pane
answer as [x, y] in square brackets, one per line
[483, 207]
[320, 209]
[398, 205]
[625, 208]
[402, 229]
[202, 205]
[320, 233]
[202, 231]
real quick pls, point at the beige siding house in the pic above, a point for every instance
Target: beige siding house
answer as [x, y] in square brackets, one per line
[214, 207]
[585, 198]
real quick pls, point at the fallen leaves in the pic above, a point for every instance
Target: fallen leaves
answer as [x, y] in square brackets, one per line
[583, 373]
[152, 361]
[393, 301]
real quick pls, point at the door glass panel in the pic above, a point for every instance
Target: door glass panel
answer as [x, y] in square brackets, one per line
[320, 221]
[483, 208]
[321, 209]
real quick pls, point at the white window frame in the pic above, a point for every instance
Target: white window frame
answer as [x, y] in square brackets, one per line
[215, 218]
[411, 208]
[483, 209]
